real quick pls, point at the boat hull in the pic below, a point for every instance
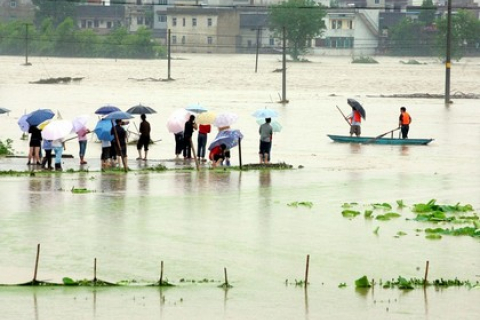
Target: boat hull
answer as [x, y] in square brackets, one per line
[372, 140]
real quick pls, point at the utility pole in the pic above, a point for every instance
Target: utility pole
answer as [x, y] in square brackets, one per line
[168, 53]
[26, 46]
[448, 57]
[284, 67]
[258, 45]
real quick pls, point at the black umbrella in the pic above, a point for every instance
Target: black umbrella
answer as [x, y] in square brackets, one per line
[141, 109]
[357, 106]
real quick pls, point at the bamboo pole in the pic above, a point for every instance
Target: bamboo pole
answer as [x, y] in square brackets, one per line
[307, 266]
[36, 264]
[161, 273]
[95, 270]
[426, 273]
[225, 275]
[240, 152]
[197, 165]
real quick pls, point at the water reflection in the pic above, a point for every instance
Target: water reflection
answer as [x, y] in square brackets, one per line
[306, 302]
[404, 150]
[355, 148]
[143, 183]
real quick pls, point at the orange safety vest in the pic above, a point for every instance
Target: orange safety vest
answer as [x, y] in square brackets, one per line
[356, 117]
[406, 118]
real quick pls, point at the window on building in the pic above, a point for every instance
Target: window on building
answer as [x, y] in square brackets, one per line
[209, 40]
[377, 1]
[183, 39]
[350, 24]
[209, 22]
[139, 2]
[174, 39]
[162, 18]
[271, 41]
[96, 23]
[194, 22]
[336, 24]
[184, 22]
[13, 4]
[84, 23]
[163, 2]
[109, 24]
[174, 22]
[89, 24]
[339, 42]
[140, 20]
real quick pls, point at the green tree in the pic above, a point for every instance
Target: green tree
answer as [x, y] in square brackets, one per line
[465, 34]
[56, 10]
[65, 39]
[427, 13]
[410, 37]
[302, 20]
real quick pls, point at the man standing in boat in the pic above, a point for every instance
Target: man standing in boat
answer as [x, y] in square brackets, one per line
[404, 122]
[355, 119]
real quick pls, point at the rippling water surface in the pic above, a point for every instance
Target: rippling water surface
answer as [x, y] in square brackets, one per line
[199, 223]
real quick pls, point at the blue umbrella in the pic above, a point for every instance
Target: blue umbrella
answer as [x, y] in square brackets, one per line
[103, 130]
[23, 124]
[4, 110]
[118, 115]
[39, 116]
[228, 137]
[106, 110]
[196, 108]
[265, 113]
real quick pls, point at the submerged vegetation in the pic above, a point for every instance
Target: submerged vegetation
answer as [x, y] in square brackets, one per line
[424, 212]
[364, 60]
[404, 283]
[6, 147]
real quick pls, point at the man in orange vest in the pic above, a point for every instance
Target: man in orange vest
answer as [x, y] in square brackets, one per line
[355, 120]
[404, 122]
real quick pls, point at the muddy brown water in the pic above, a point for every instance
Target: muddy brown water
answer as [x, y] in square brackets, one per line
[199, 223]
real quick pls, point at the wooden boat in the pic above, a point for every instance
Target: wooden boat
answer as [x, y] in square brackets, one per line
[383, 140]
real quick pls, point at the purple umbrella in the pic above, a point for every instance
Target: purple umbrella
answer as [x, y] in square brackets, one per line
[106, 110]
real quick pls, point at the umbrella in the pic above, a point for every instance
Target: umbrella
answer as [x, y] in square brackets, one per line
[106, 110]
[80, 122]
[118, 115]
[276, 126]
[103, 130]
[228, 137]
[265, 113]
[357, 106]
[42, 125]
[196, 108]
[225, 120]
[40, 115]
[57, 129]
[23, 124]
[206, 117]
[141, 109]
[176, 122]
[4, 110]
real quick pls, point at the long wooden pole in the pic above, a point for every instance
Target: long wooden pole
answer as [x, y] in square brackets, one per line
[258, 45]
[426, 273]
[240, 152]
[194, 155]
[161, 274]
[344, 117]
[307, 267]
[36, 264]
[119, 147]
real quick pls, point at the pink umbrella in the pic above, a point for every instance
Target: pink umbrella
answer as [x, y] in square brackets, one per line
[80, 122]
[176, 121]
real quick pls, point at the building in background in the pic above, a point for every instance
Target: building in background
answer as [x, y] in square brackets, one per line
[16, 10]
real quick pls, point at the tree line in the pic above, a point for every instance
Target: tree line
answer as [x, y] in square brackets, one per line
[66, 40]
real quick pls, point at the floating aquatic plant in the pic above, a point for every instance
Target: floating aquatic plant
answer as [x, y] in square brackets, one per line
[300, 203]
[387, 216]
[362, 282]
[81, 190]
[350, 213]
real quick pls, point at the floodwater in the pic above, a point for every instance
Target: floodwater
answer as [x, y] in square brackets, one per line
[199, 223]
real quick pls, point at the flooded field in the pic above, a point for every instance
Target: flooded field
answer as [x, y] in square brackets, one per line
[199, 223]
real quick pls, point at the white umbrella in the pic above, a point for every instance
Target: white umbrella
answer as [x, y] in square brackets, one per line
[57, 129]
[80, 122]
[176, 121]
[225, 120]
